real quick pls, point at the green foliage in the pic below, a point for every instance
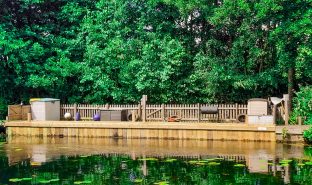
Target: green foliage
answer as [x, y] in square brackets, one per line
[303, 105]
[179, 51]
[3, 108]
[307, 135]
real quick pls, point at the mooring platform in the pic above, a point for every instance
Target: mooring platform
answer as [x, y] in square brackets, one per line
[155, 130]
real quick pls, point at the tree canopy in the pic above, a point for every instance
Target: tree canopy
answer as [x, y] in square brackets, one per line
[114, 51]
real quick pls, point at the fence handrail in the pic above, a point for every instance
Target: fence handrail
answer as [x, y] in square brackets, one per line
[159, 112]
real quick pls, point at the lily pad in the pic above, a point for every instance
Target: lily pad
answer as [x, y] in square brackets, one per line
[213, 164]
[162, 183]
[26, 179]
[193, 162]
[148, 159]
[285, 161]
[239, 165]
[87, 182]
[44, 181]
[138, 180]
[309, 163]
[35, 163]
[170, 160]
[284, 164]
[54, 180]
[209, 159]
[15, 180]
[300, 164]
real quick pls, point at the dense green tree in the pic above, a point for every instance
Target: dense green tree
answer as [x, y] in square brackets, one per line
[114, 51]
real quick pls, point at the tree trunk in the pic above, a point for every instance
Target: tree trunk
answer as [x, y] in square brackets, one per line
[291, 73]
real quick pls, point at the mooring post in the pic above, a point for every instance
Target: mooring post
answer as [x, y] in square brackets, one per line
[299, 120]
[29, 117]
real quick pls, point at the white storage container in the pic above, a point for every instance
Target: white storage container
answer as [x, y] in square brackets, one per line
[44, 109]
[257, 106]
[260, 119]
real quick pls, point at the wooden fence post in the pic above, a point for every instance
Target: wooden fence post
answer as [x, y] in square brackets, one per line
[133, 116]
[286, 100]
[140, 111]
[299, 120]
[236, 111]
[143, 102]
[274, 114]
[75, 110]
[163, 112]
[29, 117]
[106, 106]
[198, 109]
[22, 112]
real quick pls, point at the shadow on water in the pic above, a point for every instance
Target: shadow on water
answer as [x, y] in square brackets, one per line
[146, 161]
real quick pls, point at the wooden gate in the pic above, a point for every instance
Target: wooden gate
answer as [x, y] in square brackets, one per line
[18, 112]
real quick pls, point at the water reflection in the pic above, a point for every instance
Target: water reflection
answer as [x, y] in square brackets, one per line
[84, 160]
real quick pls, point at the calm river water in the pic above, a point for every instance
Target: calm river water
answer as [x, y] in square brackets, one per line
[98, 161]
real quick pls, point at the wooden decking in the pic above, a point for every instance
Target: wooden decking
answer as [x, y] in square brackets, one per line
[159, 130]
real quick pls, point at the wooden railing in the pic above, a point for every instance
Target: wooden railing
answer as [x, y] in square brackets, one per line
[161, 112]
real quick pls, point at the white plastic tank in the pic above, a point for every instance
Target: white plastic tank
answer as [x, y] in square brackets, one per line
[45, 109]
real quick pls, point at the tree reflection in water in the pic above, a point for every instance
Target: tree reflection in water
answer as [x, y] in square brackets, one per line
[121, 169]
[152, 162]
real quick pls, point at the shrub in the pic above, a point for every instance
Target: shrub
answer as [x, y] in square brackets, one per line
[307, 135]
[3, 108]
[303, 105]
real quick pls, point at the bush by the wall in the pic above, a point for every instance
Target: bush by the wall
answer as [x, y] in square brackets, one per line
[303, 105]
[307, 135]
[3, 108]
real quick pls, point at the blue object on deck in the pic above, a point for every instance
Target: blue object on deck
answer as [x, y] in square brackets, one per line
[97, 117]
[77, 116]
